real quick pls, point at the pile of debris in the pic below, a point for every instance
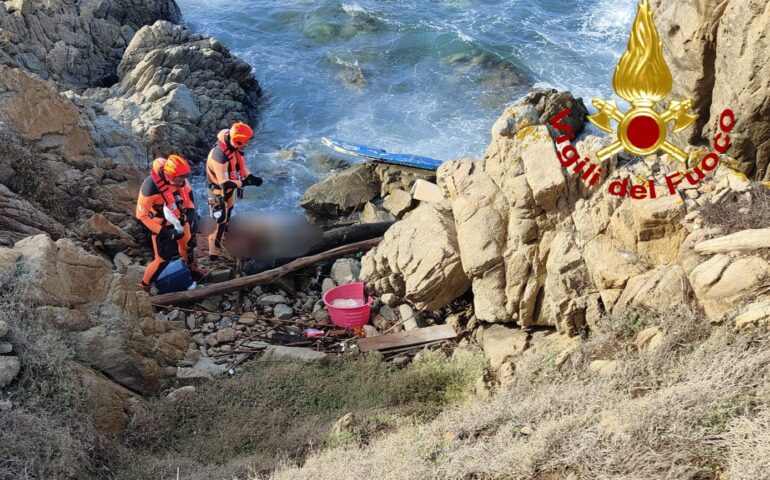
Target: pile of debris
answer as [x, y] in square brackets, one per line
[288, 320]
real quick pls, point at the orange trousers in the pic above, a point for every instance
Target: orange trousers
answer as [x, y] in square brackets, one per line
[215, 239]
[162, 256]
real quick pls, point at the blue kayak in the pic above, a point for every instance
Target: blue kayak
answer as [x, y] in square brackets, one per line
[379, 155]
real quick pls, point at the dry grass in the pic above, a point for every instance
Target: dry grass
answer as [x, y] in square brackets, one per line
[696, 408]
[736, 212]
[47, 434]
[274, 412]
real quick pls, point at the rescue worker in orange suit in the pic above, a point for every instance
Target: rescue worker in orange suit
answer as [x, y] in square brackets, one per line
[167, 186]
[227, 174]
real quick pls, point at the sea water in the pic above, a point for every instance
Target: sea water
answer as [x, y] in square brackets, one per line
[426, 77]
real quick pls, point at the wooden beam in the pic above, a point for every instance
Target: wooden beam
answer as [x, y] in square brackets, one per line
[263, 278]
[405, 339]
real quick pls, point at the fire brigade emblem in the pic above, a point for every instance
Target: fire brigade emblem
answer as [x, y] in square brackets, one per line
[643, 79]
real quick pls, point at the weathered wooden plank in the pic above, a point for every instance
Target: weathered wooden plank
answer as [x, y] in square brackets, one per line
[405, 339]
[263, 278]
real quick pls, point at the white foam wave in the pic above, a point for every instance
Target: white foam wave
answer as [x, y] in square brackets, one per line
[353, 8]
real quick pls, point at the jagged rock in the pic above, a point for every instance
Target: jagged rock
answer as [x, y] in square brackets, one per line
[19, 218]
[412, 319]
[110, 324]
[3, 329]
[64, 275]
[396, 177]
[429, 276]
[38, 113]
[50, 176]
[538, 108]
[249, 319]
[204, 370]
[501, 343]
[370, 331]
[107, 403]
[177, 89]
[374, 214]
[121, 262]
[76, 44]
[327, 284]
[397, 202]
[9, 369]
[542, 169]
[604, 367]
[340, 193]
[277, 352]
[389, 299]
[113, 239]
[346, 422]
[656, 290]
[650, 227]
[345, 270]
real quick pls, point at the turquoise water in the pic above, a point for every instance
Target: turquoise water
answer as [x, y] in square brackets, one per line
[424, 77]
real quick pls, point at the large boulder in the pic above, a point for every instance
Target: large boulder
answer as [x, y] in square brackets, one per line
[429, 275]
[111, 325]
[177, 89]
[340, 193]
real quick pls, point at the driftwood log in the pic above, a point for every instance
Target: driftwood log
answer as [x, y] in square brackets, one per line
[263, 278]
[331, 239]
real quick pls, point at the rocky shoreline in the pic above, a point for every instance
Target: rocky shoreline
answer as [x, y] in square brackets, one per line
[89, 95]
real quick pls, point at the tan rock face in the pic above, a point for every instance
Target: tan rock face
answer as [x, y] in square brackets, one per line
[110, 324]
[563, 260]
[718, 54]
[53, 120]
[538, 248]
[723, 283]
[418, 260]
[656, 290]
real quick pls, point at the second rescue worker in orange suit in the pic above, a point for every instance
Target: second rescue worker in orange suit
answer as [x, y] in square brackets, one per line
[167, 186]
[226, 172]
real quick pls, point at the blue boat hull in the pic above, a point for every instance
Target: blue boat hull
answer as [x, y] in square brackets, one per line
[379, 155]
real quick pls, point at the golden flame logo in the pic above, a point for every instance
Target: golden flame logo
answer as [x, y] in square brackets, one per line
[643, 79]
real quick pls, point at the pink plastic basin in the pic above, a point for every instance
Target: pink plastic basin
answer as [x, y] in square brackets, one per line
[348, 317]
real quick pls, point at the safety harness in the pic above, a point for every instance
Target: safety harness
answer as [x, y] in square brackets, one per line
[233, 162]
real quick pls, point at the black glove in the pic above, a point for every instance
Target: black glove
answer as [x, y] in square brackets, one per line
[192, 219]
[252, 180]
[169, 233]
